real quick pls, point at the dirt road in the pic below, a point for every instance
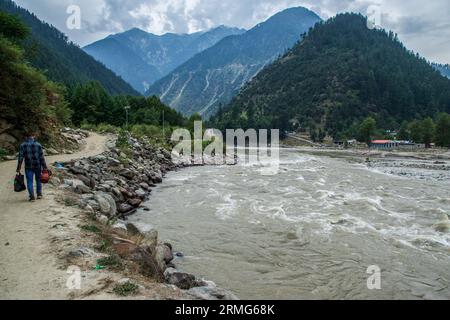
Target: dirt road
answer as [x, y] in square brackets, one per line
[28, 267]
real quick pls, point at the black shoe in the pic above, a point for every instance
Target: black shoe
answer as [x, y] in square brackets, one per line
[32, 199]
[39, 197]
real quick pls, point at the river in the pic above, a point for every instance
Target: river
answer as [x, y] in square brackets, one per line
[309, 232]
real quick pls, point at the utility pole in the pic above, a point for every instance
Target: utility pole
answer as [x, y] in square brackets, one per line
[164, 128]
[127, 108]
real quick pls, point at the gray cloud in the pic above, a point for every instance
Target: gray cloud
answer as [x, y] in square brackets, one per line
[423, 26]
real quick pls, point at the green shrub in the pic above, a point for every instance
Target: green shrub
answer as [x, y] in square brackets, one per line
[110, 261]
[88, 126]
[3, 153]
[126, 289]
[107, 128]
[122, 139]
[90, 228]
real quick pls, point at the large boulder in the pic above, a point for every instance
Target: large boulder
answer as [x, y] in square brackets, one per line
[163, 255]
[106, 203]
[209, 291]
[8, 142]
[149, 235]
[182, 280]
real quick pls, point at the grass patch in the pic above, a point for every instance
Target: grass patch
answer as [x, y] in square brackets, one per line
[110, 261]
[90, 228]
[126, 289]
[103, 246]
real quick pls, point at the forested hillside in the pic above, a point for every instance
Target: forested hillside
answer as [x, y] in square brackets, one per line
[62, 60]
[339, 74]
[28, 101]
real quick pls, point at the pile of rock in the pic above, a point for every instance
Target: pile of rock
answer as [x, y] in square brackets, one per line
[111, 187]
[115, 184]
[156, 260]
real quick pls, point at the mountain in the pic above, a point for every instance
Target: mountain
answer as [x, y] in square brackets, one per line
[443, 69]
[62, 60]
[141, 58]
[215, 75]
[339, 74]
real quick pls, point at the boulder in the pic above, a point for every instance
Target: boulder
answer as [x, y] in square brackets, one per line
[126, 173]
[51, 151]
[136, 202]
[82, 252]
[209, 291]
[141, 193]
[106, 203]
[147, 232]
[103, 219]
[163, 255]
[81, 188]
[125, 207]
[182, 280]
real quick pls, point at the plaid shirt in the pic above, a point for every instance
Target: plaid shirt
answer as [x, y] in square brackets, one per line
[31, 151]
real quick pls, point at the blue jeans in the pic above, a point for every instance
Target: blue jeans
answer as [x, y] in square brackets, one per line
[30, 174]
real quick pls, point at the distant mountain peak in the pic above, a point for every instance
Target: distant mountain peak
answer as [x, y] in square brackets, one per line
[141, 57]
[215, 75]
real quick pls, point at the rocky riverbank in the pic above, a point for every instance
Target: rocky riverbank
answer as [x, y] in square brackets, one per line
[110, 187]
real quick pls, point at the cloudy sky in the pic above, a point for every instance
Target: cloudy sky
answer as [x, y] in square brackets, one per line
[424, 26]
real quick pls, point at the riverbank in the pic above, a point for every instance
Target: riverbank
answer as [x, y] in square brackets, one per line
[424, 164]
[80, 228]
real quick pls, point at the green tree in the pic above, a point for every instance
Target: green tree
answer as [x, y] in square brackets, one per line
[443, 130]
[367, 129]
[428, 131]
[12, 28]
[415, 129]
[403, 132]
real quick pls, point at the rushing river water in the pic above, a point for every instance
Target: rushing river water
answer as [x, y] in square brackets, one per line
[309, 232]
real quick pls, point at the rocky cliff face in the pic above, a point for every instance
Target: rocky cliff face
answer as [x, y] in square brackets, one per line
[215, 75]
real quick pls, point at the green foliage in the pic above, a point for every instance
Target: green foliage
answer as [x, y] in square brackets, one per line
[12, 28]
[122, 139]
[92, 104]
[341, 73]
[126, 289]
[63, 60]
[443, 130]
[27, 99]
[90, 228]
[367, 130]
[404, 132]
[428, 131]
[110, 261]
[106, 128]
[3, 153]
[422, 131]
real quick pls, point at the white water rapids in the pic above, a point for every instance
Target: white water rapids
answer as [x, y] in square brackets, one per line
[309, 232]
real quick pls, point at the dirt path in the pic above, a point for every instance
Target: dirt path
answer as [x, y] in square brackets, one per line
[28, 267]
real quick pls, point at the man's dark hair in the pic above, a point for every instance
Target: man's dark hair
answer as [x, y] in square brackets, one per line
[30, 133]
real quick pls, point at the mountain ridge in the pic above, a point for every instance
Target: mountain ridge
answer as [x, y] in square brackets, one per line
[215, 75]
[339, 74]
[155, 55]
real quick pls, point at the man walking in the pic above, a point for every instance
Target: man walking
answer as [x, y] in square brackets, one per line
[32, 153]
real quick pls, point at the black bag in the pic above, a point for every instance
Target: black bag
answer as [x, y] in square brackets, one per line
[19, 183]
